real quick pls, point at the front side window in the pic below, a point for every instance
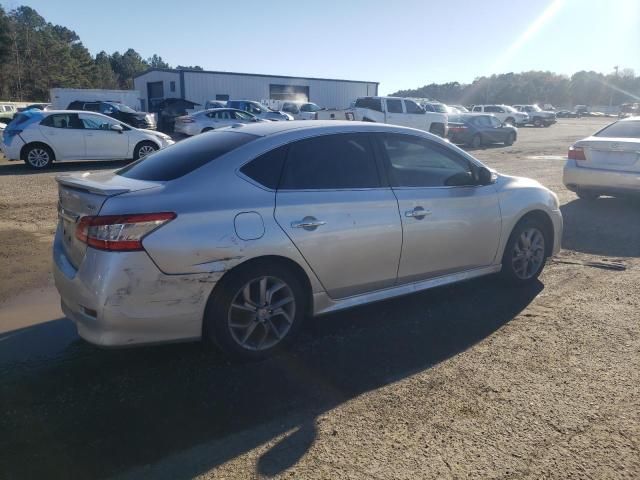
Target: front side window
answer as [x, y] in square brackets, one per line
[495, 123]
[290, 108]
[394, 105]
[242, 115]
[491, 109]
[369, 102]
[342, 161]
[477, 109]
[309, 107]
[90, 122]
[417, 162]
[413, 107]
[92, 107]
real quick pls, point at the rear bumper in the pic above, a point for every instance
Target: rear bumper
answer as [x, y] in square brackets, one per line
[600, 180]
[121, 298]
[12, 151]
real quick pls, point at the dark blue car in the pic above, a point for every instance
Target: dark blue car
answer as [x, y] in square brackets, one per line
[476, 130]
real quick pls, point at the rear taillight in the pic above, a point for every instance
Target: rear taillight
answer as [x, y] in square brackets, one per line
[576, 153]
[120, 232]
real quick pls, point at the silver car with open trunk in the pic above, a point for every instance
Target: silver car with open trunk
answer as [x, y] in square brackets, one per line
[235, 235]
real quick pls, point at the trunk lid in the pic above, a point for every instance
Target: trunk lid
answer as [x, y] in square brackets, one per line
[84, 194]
[620, 154]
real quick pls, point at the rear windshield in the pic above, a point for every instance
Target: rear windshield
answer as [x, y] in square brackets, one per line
[621, 130]
[185, 156]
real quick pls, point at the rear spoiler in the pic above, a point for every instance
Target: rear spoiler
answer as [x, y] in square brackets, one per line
[91, 186]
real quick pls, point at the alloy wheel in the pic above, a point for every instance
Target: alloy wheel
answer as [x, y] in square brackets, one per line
[528, 253]
[38, 157]
[145, 150]
[261, 313]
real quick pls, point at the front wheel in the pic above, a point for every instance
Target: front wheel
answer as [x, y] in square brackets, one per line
[255, 311]
[537, 122]
[143, 149]
[511, 138]
[525, 254]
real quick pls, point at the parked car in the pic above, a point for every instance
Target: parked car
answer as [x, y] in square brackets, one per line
[301, 110]
[40, 138]
[504, 113]
[36, 106]
[629, 110]
[237, 235]
[206, 120]
[476, 130]
[397, 111]
[7, 112]
[606, 163]
[119, 111]
[258, 110]
[434, 107]
[537, 116]
[566, 114]
[209, 104]
[170, 109]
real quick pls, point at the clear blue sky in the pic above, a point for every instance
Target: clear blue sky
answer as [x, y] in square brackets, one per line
[399, 43]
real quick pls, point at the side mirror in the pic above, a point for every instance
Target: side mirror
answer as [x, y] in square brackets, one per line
[485, 177]
[117, 128]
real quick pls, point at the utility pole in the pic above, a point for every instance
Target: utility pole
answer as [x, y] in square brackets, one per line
[611, 93]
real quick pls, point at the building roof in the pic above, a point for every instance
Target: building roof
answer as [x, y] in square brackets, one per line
[178, 70]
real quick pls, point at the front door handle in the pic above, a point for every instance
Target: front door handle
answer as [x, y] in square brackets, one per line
[308, 223]
[418, 213]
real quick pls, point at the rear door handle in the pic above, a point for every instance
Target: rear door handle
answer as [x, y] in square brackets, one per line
[418, 213]
[308, 223]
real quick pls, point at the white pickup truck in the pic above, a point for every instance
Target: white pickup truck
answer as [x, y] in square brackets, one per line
[392, 110]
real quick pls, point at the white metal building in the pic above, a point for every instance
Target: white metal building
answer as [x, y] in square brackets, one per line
[199, 86]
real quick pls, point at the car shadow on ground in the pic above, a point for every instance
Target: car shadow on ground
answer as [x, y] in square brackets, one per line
[19, 168]
[70, 409]
[606, 226]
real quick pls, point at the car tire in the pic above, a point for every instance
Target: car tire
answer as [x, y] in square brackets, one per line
[242, 323]
[525, 254]
[511, 138]
[510, 121]
[537, 122]
[143, 149]
[38, 156]
[476, 141]
[587, 195]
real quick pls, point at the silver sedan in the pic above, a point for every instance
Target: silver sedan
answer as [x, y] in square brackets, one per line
[237, 235]
[206, 120]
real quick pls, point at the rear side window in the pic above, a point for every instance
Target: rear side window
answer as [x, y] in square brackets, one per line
[394, 105]
[621, 130]
[370, 103]
[330, 162]
[184, 157]
[267, 168]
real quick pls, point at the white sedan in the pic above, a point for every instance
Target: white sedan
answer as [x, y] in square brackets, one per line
[40, 138]
[606, 163]
[206, 120]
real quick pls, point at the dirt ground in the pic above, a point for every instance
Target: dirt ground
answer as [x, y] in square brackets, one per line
[467, 381]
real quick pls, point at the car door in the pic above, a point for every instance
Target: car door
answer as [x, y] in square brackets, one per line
[101, 141]
[498, 131]
[446, 228]
[334, 207]
[395, 112]
[415, 115]
[65, 133]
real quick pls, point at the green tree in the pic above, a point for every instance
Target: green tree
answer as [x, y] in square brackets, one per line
[157, 62]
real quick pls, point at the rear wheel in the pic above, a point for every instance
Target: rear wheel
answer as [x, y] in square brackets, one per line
[537, 122]
[38, 157]
[525, 254]
[143, 149]
[255, 311]
[476, 141]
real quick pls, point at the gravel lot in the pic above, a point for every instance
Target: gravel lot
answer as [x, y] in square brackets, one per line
[467, 381]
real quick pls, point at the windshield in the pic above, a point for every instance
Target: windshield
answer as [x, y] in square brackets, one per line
[533, 108]
[439, 107]
[310, 107]
[626, 129]
[510, 109]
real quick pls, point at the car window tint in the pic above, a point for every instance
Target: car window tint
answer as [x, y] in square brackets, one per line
[63, 120]
[477, 109]
[495, 122]
[394, 105]
[186, 156]
[267, 168]
[370, 103]
[417, 162]
[94, 123]
[330, 162]
[625, 129]
[241, 115]
[412, 107]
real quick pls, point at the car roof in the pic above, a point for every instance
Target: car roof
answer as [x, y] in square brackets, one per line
[264, 129]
